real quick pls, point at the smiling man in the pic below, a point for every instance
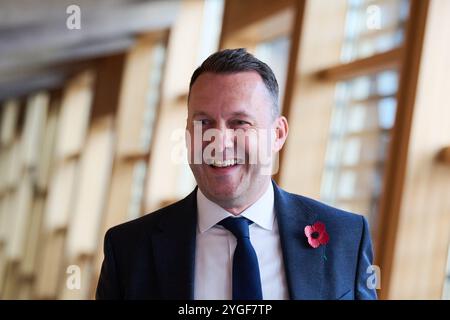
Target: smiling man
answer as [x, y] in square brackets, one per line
[238, 235]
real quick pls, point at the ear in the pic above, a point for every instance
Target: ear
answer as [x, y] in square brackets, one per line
[281, 132]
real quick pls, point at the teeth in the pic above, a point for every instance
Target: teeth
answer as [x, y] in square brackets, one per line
[222, 164]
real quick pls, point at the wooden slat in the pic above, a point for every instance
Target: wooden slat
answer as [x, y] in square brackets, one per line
[372, 64]
[367, 133]
[107, 85]
[373, 33]
[165, 179]
[444, 155]
[360, 166]
[371, 99]
[239, 14]
[390, 202]
[322, 31]
[292, 70]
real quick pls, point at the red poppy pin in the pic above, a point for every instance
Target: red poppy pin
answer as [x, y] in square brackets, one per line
[317, 234]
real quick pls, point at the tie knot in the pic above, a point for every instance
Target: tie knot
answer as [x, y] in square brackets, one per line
[237, 226]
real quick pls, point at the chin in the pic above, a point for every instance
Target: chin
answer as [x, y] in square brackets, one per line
[227, 191]
[223, 192]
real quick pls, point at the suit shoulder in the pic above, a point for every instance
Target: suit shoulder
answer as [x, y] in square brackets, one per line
[143, 225]
[327, 212]
[349, 227]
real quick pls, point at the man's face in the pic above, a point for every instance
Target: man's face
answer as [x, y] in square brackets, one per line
[233, 113]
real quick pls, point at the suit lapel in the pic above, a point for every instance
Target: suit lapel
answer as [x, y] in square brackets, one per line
[304, 265]
[174, 250]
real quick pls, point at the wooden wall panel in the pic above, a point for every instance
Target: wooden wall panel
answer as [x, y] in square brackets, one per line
[183, 50]
[50, 268]
[33, 132]
[313, 101]
[134, 100]
[92, 189]
[420, 252]
[10, 115]
[107, 85]
[32, 246]
[3, 264]
[75, 114]
[45, 164]
[20, 214]
[61, 194]
[240, 14]
[165, 177]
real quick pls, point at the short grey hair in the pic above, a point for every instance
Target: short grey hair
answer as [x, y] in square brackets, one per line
[239, 60]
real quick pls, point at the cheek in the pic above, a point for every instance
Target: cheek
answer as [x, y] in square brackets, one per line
[262, 143]
[249, 142]
[252, 144]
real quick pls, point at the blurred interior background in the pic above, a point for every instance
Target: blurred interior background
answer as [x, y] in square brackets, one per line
[90, 114]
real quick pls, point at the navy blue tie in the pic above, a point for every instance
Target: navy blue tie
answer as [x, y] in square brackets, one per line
[246, 279]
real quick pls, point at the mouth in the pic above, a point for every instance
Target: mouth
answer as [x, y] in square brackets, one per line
[223, 166]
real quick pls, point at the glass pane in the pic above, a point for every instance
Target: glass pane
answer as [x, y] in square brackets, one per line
[159, 53]
[212, 25]
[373, 26]
[386, 112]
[446, 293]
[139, 104]
[387, 83]
[362, 118]
[276, 54]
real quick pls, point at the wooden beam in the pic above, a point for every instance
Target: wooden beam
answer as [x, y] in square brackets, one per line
[372, 64]
[292, 71]
[240, 14]
[107, 86]
[320, 34]
[444, 155]
[394, 175]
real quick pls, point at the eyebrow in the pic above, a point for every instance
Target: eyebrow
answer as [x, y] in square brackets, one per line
[200, 113]
[241, 114]
[233, 114]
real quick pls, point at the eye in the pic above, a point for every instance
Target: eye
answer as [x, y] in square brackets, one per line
[240, 123]
[203, 122]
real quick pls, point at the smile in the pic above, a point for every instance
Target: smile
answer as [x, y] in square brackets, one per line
[222, 164]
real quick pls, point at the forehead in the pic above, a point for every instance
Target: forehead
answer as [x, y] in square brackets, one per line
[230, 80]
[223, 91]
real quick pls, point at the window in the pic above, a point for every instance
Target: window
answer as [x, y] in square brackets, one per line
[268, 35]
[373, 26]
[446, 293]
[275, 53]
[365, 106]
[362, 118]
[139, 97]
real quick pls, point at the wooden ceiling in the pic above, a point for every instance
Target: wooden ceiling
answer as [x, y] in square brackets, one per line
[37, 50]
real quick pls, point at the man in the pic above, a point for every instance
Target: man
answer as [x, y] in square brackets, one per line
[238, 235]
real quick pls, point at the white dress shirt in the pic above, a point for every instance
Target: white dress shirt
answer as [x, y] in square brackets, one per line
[216, 245]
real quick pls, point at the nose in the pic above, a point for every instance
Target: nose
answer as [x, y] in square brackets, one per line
[225, 142]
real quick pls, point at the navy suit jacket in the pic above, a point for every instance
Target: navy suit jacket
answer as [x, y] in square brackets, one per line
[153, 257]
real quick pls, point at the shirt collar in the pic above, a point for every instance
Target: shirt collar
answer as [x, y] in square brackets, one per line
[261, 212]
